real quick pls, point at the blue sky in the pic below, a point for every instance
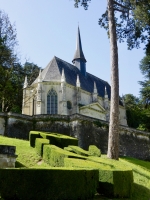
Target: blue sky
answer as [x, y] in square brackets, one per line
[49, 27]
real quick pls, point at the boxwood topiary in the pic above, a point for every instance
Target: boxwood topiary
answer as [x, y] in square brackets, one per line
[52, 184]
[94, 151]
[32, 137]
[79, 150]
[113, 181]
[39, 143]
[55, 155]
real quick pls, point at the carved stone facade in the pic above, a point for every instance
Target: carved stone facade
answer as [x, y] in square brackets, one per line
[65, 89]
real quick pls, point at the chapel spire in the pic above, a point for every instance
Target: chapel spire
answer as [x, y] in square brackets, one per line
[79, 60]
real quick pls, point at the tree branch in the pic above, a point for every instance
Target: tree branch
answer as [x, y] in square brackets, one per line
[118, 4]
[116, 9]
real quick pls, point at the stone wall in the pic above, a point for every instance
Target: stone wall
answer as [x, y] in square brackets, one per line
[133, 143]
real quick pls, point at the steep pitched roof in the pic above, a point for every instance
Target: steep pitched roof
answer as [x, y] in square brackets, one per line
[53, 72]
[78, 53]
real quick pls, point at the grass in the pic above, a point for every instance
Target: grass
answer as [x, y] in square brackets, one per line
[28, 157]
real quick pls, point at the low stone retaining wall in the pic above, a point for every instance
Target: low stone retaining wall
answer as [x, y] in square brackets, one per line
[7, 156]
[133, 143]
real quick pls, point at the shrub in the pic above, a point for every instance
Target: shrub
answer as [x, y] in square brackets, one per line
[52, 184]
[59, 140]
[113, 181]
[55, 155]
[39, 143]
[79, 150]
[32, 137]
[94, 151]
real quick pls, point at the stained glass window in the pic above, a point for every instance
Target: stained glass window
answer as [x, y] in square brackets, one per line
[52, 102]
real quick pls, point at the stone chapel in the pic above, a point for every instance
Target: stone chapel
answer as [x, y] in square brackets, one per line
[65, 89]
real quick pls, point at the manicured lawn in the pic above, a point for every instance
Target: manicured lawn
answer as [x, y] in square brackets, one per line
[28, 157]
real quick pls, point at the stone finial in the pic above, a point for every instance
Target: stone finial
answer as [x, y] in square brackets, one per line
[123, 101]
[105, 90]
[95, 88]
[78, 81]
[63, 78]
[40, 77]
[106, 94]
[25, 85]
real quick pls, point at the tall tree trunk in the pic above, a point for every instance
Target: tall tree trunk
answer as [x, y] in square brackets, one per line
[3, 104]
[113, 141]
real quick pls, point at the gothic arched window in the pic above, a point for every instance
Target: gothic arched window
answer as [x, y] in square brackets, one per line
[52, 102]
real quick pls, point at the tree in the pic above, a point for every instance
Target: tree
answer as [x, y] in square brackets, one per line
[133, 110]
[31, 70]
[109, 23]
[113, 141]
[12, 73]
[145, 90]
[137, 115]
[8, 60]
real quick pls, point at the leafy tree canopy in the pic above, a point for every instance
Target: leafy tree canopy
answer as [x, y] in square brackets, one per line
[145, 90]
[12, 73]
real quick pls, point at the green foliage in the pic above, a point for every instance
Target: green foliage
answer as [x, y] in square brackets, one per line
[39, 143]
[141, 174]
[32, 137]
[59, 140]
[145, 90]
[132, 22]
[138, 110]
[94, 151]
[133, 110]
[54, 155]
[79, 150]
[31, 70]
[100, 124]
[27, 156]
[52, 184]
[12, 73]
[112, 181]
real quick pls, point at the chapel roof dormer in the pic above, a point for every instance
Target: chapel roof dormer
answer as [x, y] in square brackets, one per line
[78, 53]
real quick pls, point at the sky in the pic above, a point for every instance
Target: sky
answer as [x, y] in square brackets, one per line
[48, 28]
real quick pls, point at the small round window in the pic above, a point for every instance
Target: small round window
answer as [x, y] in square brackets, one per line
[69, 105]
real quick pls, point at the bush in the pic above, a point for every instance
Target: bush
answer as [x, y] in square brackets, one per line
[78, 150]
[52, 184]
[113, 181]
[32, 137]
[39, 143]
[94, 151]
[55, 155]
[59, 140]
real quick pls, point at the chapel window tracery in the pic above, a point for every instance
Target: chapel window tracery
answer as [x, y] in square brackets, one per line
[52, 102]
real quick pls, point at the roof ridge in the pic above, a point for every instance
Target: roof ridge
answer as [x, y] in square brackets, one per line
[65, 61]
[97, 77]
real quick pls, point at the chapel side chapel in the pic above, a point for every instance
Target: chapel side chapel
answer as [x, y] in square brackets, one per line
[63, 88]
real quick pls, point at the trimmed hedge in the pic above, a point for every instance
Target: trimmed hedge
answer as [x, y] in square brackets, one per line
[113, 181]
[68, 149]
[54, 155]
[55, 138]
[94, 151]
[78, 150]
[59, 139]
[32, 137]
[39, 143]
[52, 184]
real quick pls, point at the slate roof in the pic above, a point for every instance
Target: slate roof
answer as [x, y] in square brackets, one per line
[53, 72]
